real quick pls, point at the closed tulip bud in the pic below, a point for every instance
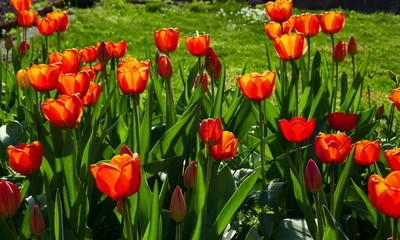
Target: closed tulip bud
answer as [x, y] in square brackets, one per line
[393, 77]
[36, 222]
[352, 46]
[380, 112]
[339, 52]
[164, 66]
[177, 208]
[10, 198]
[103, 54]
[8, 42]
[23, 48]
[22, 79]
[312, 177]
[211, 131]
[189, 178]
[204, 82]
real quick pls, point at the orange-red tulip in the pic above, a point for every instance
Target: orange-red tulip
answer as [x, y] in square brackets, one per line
[36, 221]
[64, 112]
[290, 46]
[71, 61]
[89, 54]
[25, 159]
[120, 178]
[92, 95]
[132, 76]
[204, 82]
[55, 58]
[366, 152]
[72, 83]
[177, 207]
[21, 4]
[392, 157]
[26, 18]
[22, 79]
[164, 66]
[312, 177]
[352, 46]
[10, 198]
[189, 178]
[197, 46]
[384, 193]
[308, 24]
[211, 131]
[341, 121]
[44, 77]
[118, 50]
[46, 26]
[167, 40]
[274, 29]
[339, 52]
[279, 11]
[332, 22]
[395, 97]
[226, 148]
[332, 148]
[61, 18]
[298, 129]
[257, 86]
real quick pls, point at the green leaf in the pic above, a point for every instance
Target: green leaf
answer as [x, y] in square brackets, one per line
[5, 231]
[220, 95]
[58, 218]
[292, 229]
[331, 230]
[252, 234]
[155, 214]
[342, 187]
[371, 209]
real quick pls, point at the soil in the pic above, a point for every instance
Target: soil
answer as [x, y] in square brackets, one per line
[6, 7]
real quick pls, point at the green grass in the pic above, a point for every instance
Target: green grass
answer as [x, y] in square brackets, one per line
[238, 40]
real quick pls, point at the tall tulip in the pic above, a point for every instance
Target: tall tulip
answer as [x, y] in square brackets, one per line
[46, 26]
[290, 46]
[61, 18]
[21, 4]
[366, 152]
[167, 40]
[257, 86]
[279, 11]
[133, 80]
[25, 159]
[197, 45]
[332, 22]
[10, 198]
[64, 112]
[308, 24]
[44, 77]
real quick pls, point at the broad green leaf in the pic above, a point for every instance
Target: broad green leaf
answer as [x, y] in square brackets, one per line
[367, 202]
[342, 186]
[155, 214]
[292, 229]
[331, 228]
[252, 234]
[58, 218]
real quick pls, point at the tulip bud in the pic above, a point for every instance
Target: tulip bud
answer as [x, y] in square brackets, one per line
[23, 48]
[8, 42]
[126, 150]
[312, 177]
[103, 54]
[22, 79]
[204, 83]
[352, 46]
[339, 52]
[120, 206]
[393, 77]
[380, 112]
[189, 178]
[178, 205]
[10, 198]
[36, 222]
[164, 66]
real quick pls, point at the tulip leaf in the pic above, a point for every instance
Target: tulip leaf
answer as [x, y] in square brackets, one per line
[252, 234]
[371, 209]
[10, 134]
[331, 229]
[229, 114]
[318, 97]
[145, 127]
[242, 121]
[271, 115]
[143, 198]
[343, 87]
[220, 95]
[291, 229]
[5, 231]
[155, 214]
[58, 218]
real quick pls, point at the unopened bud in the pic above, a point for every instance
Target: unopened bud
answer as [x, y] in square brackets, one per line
[380, 112]
[36, 222]
[312, 177]
[8, 42]
[23, 48]
[352, 46]
[126, 150]
[339, 52]
[177, 208]
[164, 66]
[189, 178]
[102, 53]
[393, 77]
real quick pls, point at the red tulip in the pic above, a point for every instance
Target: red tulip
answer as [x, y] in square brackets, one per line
[298, 129]
[10, 198]
[339, 52]
[44, 77]
[204, 82]
[103, 54]
[64, 112]
[290, 46]
[352, 46]
[120, 178]
[312, 177]
[71, 61]
[21, 4]
[26, 18]
[126, 150]
[36, 221]
[395, 97]
[61, 18]
[197, 46]
[392, 157]
[332, 22]
[23, 48]
[332, 148]
[25, 159]
[167, 40]
[177, 205]
[89, 54]
[366, 152]
[46, 26]
[92, 95]
[120, 49]
[341, 121]
[164, 66]
[257, 87]
[308, 24]
[226, 148]
[279, 11]
[189, 178]
[74, 84]
[212, 63]
[211, 131]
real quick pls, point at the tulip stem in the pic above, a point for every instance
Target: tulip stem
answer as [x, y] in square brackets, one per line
[135, 117]
[212, 95]
[319, 216]
[13, 229]
[178, 231]
[208, 176]
[127, 218]
[200, 70]
[262, 145]
[332, 184]
[58, 40]
[309, 57]
[33, 189]
[300, 162]
[47, 48]
[353, 61]
[395, 228]
[296, 81]
[171, 115]
[333, 67]
[335, 89]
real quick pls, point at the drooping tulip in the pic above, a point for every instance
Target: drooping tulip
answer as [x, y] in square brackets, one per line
[290, 46]
[341, 121]
[44, 77]
[211, 131]
[197, 45]
[226, 148]
[167, 40]
[332, 148]
[26, 18]
[332, 22]
[366, 152]
[279, 11]
[308, 24]
[257, 87]
[25, 159]
[10, 198]
[64, 112]
[298, 129]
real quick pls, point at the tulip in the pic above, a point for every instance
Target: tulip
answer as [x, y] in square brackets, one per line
[308, 24]
[167, 40]
[332, 22]
[312, 177]
[64, 112]
[392, 157]
[297, 129]
[332, 148]
[197, 46]
[126, 150]
[25, 159]
[189, 178]
[89, 54]
[120, 49]
[55, 58]
[44, 77]
[26, 18]
[211, 131]
[279, 11]
[212, 63]
[46, 26]
[384, 193]
[92, 95]
[273, 29]
[10, 198]
[36, 221]
[380, 111]
[21, 4]
[341, 121]
[226, 148]
[71, 61]
[23, 48]
[22, 79]
[257, 86]
[290, 46]
[8, 43]
[120, 178]
[164, 66]
[395, 97]
[204, 82]
[74, 84]
[103, 54]
[366, 152]
[133, 80]
[177, 205]
[339, 52]
[61, 18]
[352, 46]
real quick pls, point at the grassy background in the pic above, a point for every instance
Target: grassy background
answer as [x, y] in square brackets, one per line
[237, 35]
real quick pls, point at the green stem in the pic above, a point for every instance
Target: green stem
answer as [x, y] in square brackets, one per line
[170, 105]
[354, 67]
[332, 184]
[309, 57]
[391, 116]
[136, 118]
[178, 231]
[200, 69]
[296, 81]
[209, 164]
[300, 162]
[13, 228]
[127, 216]
[336, 88]
[47, 47]
[212, 95]
[319, 216]
[33, 189]
[262, 145]
[58, 41]
[395, 229]
[333, 65]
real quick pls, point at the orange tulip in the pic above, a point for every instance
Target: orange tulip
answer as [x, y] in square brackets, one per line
[64, 112]
[22, 79]
[290, 46]
[273, 29]
[384, 193]
[279, 11]
[257, 87]
[226, 148]
[211, 131]
[46, 26]
[395, 97]
[167, 40]
[71, 83]
[92, 95]
[339, 52]
[25, 159]
[91, 71]
[332, 22]
[177, 207]
[61, 18]
[298, 129]
[44, 77]
[55, 58]
[89, 54]
[119, 178]
[332, 148]
[366, 152]
[119, 49]
[392, 157]
[132, 76]
[164, 66]
[71, 61]
[308, 24]
[197, 46]
[10, 198]
[26, 18]
[21, 4]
